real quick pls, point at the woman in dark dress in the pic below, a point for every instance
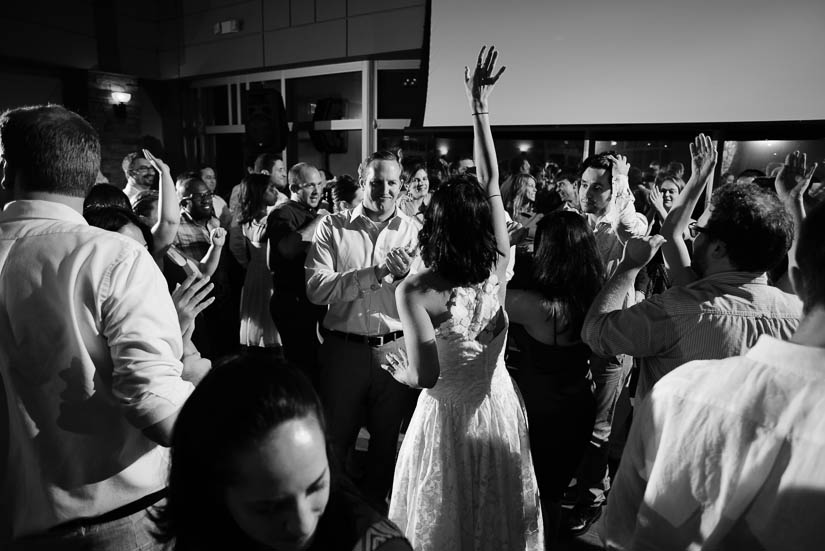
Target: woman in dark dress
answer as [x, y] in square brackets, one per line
[553, 371]
[250, 470]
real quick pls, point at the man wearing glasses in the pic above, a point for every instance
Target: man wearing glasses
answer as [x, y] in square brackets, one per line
[289, 231]
[140, 176]
[201, 238]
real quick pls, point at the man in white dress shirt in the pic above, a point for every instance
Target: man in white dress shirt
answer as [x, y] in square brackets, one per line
[355, 262]
[89, 353]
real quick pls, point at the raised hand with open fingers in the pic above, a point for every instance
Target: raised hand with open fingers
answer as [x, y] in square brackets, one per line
[702, 156]
[794, 178]
[190, 299]
[479, 82]
[157, 164]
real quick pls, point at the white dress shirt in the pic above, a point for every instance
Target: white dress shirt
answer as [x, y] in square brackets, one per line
[340, 270]
[89, 348]
[727, 454]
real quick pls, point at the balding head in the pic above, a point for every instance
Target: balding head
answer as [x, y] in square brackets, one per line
[306, 184]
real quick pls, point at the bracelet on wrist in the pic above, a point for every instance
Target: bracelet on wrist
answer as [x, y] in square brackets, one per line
[481, 113]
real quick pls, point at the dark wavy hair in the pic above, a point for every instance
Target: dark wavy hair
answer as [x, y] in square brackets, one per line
[599, 160]
[253, 200]
[344, 188]
[457, 238]
[55, 149]
[235, 406]
[114, 218]
[753, 224]
[567, 266]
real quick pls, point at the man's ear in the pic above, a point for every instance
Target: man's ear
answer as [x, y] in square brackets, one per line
[797, 282]
[718, 249]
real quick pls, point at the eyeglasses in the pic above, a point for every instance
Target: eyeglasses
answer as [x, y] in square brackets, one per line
[143, 169]
[199, 197]
[695, 229]
[308, 185]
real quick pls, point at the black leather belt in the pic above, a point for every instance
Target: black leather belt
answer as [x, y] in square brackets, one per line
[378, 340]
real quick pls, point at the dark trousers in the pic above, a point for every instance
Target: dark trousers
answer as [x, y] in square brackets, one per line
[561, 422]
[610, 375]
[352, 381]
[296, 319]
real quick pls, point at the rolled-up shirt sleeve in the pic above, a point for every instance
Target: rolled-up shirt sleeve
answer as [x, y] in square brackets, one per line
[141, 326]
[642, 330]
[325, 285]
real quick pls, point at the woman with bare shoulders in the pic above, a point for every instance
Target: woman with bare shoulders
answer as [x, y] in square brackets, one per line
[464, 478]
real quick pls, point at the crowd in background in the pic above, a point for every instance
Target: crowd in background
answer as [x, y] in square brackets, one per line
[684, 294]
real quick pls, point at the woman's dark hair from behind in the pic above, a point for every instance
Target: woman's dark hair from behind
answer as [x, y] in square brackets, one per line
[253, 200]
[567, 266]
[345, 188]
[457, 238]
[106, 195]
[234, 407]
[114, 218]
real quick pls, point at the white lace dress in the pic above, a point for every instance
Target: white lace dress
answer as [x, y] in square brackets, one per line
[464, 478]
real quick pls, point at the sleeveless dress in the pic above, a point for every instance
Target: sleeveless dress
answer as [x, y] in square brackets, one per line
[257, 327]
[464, 478]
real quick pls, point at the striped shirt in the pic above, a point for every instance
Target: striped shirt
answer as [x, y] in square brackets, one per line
[716, 317]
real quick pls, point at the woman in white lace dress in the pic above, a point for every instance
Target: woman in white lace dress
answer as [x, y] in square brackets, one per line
[464, 478]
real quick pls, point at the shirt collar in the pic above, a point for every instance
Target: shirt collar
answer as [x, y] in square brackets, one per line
[38, 208]
[797, 357]
[359, 211]
[736, 278]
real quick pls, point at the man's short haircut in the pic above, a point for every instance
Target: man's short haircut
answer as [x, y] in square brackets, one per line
[382, 155]
[185, 183]
[54, 149]
[296, 174]
[753, 224]
[599, 161]
[266, 161]
[129, 159]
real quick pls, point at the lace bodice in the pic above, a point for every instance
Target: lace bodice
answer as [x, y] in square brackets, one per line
[470, 349]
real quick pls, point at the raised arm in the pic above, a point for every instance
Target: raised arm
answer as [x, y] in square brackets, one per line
[791, 183]
[703, 161]
[166, 228]
[478, 84]
[209, 263]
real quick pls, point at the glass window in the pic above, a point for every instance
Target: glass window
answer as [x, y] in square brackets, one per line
[336, 151]
[401, 94]
[326, 97]
[764, 157]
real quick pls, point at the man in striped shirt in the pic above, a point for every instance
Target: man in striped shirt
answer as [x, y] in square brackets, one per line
[745, 233]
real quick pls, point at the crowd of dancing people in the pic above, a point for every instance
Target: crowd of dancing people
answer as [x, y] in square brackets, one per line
[472, 326]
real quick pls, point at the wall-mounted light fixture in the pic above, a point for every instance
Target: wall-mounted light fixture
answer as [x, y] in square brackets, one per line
[227, 27]
[120, 100]
[121, 97]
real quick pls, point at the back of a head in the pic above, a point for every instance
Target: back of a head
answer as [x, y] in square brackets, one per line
[114, 218]
[457, 238]
[753, 224]
[345, 188]
[810, 257]
[567, 265]
[234, 407]
[253, 198]
[105, 195]
[265, 161]
[53, 149]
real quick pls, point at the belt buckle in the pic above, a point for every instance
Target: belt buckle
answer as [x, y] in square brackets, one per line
[379, 341]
